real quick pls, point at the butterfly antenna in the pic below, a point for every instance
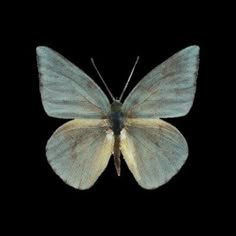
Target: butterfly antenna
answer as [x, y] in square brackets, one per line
[126, 85]
[108, 90]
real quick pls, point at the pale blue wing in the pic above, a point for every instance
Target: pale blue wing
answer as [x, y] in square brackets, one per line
[66, 91]
[168, 90]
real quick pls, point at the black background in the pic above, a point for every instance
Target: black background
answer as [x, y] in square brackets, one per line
[114, 41]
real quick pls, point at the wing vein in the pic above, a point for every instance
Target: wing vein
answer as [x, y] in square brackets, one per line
[80, 94]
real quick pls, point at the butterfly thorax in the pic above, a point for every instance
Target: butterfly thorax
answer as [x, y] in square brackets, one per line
[116, 117]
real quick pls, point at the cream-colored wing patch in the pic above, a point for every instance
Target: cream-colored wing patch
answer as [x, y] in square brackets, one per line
[154, 151]
[79, 151]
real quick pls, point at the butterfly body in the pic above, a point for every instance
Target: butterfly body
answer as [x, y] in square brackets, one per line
[116, 119]
[153, 149]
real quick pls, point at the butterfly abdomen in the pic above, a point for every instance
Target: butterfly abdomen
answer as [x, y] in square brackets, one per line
[116, 153]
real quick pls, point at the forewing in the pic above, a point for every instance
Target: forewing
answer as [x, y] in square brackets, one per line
[168, 90]
[79, 151]
[154, 151]
[66, 91]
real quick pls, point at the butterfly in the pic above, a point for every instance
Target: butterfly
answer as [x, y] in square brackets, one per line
[153, 149]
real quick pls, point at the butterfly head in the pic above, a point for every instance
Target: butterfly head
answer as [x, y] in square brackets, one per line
[116, 106]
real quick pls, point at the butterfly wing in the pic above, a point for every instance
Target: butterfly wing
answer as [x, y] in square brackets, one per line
[79, 151]
[154, 151]
[168, 90]
[66, 91]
